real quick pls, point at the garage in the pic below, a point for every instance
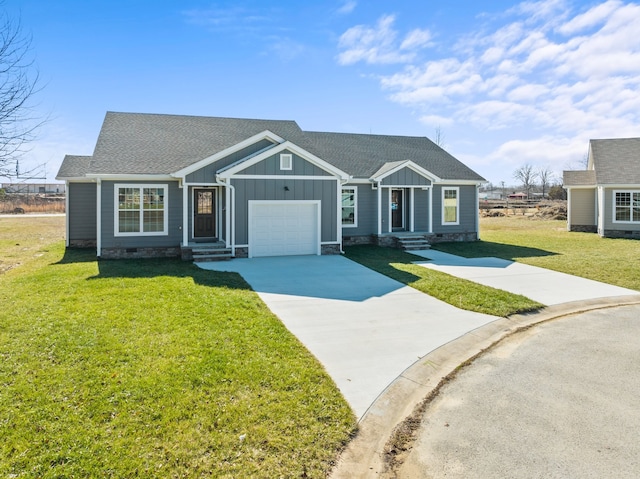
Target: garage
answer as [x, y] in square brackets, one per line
[283, 228]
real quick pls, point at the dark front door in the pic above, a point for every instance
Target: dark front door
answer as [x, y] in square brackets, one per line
[204, 216]
[397, 214]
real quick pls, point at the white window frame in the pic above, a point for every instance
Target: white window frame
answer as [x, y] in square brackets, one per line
[614, 205]
[286, 161]
[457, 221]
[141, 187]
[353, 190]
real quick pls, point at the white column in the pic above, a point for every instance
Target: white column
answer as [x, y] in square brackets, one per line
[99, 216]
[379, 209]
[431, 209]
[412, 210]
[185, 214]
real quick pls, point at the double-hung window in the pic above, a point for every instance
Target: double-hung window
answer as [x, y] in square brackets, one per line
[450, 206]
[141, 210]
[626, 206]
[349, 210]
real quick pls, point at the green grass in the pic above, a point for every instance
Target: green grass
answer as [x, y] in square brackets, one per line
[154, 368]
[549, 245]
[458, 292]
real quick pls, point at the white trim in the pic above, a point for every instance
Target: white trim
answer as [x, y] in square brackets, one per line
[317, 203]
[185, 217]
[98, 217]
[378, 177]
[286, 161]
[460, 182]
[359, 181]
[430, 210]
[66, 210]
[265, 135]
[569, 209]
[141, 186]
[412, 210]
[380, 210]
[235, 168]
[450, 223]
[600, 196]
[112, 177]
[355, 207]
[613, 205]
[282, 177]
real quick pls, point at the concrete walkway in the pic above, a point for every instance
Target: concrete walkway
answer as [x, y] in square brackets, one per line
[542, 285]
[363, 327]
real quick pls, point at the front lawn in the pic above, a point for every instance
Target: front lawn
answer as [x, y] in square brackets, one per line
[458, 292]
[153, 368]
[548, 244]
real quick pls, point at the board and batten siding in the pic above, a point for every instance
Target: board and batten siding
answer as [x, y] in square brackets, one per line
[468, 210]
[274, 189]
[366, 207]
[609, 206]
[82, 211]
[173, 209]
[271, 166]
[207, 174]
[405, 177]
[583, 207]
[421, 209]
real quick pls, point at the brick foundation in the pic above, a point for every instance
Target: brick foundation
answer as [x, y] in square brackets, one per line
[584, 228]
[133, 253]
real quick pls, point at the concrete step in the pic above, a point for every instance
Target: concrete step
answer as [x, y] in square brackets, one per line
[201, 258]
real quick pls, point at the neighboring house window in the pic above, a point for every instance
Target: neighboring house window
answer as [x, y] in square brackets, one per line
[349, 210]
[627, 207]
[286, 161]
[450, 206]
[140, 210]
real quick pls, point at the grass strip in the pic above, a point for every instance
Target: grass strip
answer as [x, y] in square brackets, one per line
[458, 292]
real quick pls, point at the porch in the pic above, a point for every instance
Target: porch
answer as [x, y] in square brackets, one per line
[209, 251]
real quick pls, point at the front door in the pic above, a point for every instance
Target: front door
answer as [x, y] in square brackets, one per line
[397, 209]
[204, 216]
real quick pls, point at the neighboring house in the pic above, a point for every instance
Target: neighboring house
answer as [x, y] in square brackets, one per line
[34, 188]
[162, 185]
[605, 198]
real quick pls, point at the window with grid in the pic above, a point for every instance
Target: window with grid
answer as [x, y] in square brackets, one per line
[140, 210]
[450, 210]
[627, 207]
[349, 207]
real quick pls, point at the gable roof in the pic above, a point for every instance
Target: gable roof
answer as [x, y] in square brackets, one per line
[74, 166]
[159, 144]
[579, 178]
[615, 161]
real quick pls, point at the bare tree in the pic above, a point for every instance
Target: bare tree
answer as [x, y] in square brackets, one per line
[527, 176]
[19, 82]
[439, 137]
[545, 175]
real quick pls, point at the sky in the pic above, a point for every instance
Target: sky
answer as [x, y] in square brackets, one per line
[499, 83]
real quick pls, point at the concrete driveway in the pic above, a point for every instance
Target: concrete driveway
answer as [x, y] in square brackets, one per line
[363, 327]
[558, 400]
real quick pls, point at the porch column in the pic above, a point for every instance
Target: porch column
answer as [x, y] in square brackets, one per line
[227, 218]
[185, 214]
[411, 210]
[431, 209]
[379, 209]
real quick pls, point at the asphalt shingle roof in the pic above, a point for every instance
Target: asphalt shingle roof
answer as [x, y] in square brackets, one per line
[137, 143]
[74, 166]
[579, 178]
[616, 161]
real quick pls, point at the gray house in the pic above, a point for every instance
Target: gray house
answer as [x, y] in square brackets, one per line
[605, 198]
[165, 185]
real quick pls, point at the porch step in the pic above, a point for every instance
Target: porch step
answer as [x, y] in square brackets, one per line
[210, 253]
[413, 243]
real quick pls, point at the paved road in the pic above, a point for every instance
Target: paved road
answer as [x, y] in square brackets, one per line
[557, 401]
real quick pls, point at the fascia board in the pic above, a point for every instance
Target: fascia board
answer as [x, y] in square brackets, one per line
[265, 135]
[134, 177]
[287, 145]
[461, 182]
[76, 179]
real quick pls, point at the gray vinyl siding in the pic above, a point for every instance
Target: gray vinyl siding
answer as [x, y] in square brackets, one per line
[269, 189]
[405, 177]
[609, 204]
[467, 205]
[207, 174]
[174, 209]
[583, 207]
[421, 210]
[82, 211]
[271, 166]
[366, 207]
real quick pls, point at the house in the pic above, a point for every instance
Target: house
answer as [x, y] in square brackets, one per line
[605, 198]
[164, 185]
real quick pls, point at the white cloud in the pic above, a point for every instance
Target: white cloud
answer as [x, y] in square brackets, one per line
[379, 44]
[347, 7]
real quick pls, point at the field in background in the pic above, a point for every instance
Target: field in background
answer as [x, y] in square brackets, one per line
[31, 203]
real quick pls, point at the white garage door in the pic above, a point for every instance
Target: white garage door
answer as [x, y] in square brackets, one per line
[283, 228]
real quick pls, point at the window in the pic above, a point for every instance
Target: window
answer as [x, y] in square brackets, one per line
[627, 206]
[286, 161]
[450, 210]
[140, 210]
[349, 213]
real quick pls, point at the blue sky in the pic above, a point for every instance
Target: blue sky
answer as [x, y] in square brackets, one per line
[505, 82]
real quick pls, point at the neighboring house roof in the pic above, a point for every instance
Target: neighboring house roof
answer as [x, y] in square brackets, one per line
[74, 166]
[157, 144]
[616, 161]
[579, 178]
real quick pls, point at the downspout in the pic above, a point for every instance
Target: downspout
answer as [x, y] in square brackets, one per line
[66, 209]
[98, 217]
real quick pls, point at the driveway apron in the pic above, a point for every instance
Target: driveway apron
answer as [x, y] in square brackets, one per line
[365, 328]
